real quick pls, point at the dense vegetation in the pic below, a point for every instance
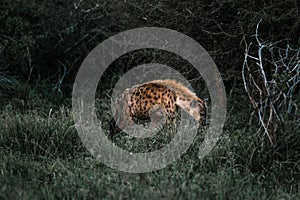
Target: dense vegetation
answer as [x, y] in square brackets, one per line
[43, 43]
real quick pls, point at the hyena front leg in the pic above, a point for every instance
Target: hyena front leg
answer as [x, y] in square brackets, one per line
[120, 120]
[158, 117]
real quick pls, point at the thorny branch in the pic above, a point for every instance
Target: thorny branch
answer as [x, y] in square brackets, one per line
[271, 77]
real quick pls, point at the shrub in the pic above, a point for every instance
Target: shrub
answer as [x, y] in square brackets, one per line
[271, 75]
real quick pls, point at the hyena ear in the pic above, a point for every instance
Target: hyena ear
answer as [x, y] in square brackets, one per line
[194, 103]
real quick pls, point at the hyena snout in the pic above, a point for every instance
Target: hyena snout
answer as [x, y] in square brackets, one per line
[199, 111]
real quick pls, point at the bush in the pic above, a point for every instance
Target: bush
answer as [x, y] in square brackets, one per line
[271, 77]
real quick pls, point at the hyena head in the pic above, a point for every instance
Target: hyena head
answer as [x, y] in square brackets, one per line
[198, 111]
[195, 107]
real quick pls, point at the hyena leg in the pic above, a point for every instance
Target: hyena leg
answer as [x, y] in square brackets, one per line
[113, 129]
[171, 121]
[158, 116]
[119, 121]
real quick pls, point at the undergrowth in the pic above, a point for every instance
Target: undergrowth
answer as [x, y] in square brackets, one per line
[43, 157]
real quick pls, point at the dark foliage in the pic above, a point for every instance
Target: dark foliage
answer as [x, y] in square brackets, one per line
[48, 40]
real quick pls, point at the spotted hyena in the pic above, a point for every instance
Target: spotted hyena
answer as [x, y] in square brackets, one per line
[161, 97]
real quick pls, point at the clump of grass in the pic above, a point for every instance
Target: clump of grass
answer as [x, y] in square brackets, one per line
[38, 134]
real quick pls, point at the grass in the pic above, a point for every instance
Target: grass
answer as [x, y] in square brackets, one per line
[42, 158]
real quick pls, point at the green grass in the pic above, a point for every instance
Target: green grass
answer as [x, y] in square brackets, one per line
[42, 157]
